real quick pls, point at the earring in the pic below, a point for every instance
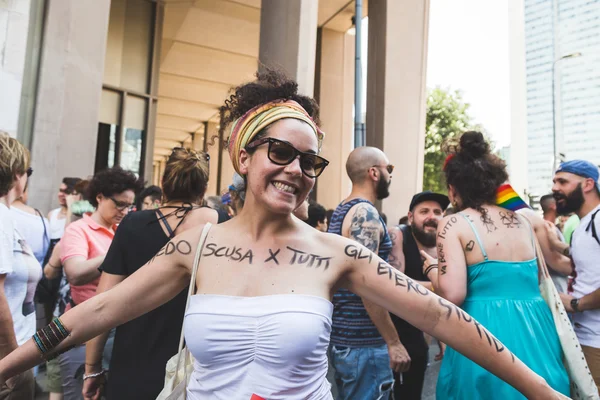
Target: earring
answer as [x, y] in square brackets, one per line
[454, 205]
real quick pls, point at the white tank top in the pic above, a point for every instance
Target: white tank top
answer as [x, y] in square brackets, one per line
[270, 347]
[57, 226]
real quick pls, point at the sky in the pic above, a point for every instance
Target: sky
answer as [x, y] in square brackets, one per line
[469, 50]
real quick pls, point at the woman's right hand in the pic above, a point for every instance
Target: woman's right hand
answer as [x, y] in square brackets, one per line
[93, 387]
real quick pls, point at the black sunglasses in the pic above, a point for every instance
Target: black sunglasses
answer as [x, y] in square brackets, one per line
[29, 171]
[283, 153]
[389, 167]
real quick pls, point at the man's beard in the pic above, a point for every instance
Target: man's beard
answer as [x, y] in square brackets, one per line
[573, 201]
[383, 189]
[425, 238]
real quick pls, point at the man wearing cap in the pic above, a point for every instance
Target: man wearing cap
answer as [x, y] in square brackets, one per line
[425, 212]
[576, 189]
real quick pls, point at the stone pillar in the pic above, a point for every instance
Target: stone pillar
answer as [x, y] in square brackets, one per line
[14, 24]
[69, 88]
[212, 148]
[396, 96]
[288, 35]
[335, 93]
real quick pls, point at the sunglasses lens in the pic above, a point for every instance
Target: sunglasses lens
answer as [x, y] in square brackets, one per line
[313, 165]
[281, 153]
[390, 168]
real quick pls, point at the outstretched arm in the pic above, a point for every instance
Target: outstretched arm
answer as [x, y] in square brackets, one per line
[377, 281]
[161, 279]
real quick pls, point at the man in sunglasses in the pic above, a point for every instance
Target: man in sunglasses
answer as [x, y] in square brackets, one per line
[365, 347]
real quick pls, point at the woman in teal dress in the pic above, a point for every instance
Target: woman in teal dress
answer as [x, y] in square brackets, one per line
[488, 267]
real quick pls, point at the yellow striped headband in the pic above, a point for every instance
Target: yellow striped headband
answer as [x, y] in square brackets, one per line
[245, 128]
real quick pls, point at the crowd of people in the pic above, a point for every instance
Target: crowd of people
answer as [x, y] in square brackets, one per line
[286, 290]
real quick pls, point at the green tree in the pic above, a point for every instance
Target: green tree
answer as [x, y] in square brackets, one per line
[447, 118]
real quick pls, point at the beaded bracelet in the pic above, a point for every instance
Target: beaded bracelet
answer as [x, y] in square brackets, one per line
[50, 336]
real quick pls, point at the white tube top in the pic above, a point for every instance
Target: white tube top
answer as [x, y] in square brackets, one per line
[270, 347]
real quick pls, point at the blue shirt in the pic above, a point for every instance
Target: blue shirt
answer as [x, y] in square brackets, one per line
[352, 326]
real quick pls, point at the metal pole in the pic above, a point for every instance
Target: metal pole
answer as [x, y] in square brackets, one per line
[553, 120]
[554, 155]
[359, 139]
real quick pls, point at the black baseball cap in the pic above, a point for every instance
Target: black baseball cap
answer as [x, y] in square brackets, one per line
[428, 195]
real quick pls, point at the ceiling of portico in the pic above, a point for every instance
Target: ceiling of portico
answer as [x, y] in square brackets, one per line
[207, 48]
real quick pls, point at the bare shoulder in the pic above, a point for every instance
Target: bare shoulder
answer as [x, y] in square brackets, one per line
[206, 214]
[347, 248]
[452, 223]
[534, 218]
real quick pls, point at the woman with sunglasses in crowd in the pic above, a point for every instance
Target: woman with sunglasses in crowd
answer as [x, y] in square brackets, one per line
[19, 269]
[82, 250]
[143, 346]
[260, 322]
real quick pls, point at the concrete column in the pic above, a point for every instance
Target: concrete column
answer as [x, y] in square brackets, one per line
[396, 97]
[335, 92]
[14, 25]
[212, 148]
[69, 88]
[288, 35]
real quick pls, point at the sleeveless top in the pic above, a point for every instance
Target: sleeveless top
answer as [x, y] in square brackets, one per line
[411, 337]
[56, 225]
[266, 347]
[504, 296]
[352, 326]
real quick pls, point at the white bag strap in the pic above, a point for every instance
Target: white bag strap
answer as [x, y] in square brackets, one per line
[192, 288]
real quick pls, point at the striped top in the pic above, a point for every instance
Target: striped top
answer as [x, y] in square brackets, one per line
[352, 326]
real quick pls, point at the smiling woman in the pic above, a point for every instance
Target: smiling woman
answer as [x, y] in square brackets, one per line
[259, 322]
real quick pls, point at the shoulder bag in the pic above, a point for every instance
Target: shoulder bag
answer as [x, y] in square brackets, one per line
[582, 383]
[181, 365]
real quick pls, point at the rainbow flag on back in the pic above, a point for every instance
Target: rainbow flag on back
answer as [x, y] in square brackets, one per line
[506, 197]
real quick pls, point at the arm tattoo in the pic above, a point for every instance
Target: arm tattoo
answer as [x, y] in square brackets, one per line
[365, 227]
[509, 219]
[461, 315]
[470, 246]
[567, 251]
[394, 261]
[401, 280]
[441, 258]
[182, 247]
[487, 221]
[442, 234]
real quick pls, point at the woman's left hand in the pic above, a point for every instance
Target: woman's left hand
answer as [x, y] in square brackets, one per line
[428, 261]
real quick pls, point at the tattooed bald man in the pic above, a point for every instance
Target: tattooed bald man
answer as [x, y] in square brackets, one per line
[373, 347]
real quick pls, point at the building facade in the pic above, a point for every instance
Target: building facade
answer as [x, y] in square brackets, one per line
[97, 83]
[562, 43]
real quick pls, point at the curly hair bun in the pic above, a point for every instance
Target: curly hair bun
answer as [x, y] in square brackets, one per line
[270, 84]
[474, 145]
